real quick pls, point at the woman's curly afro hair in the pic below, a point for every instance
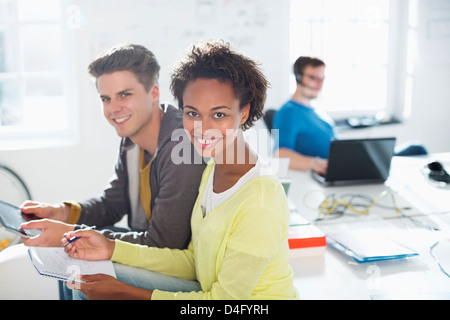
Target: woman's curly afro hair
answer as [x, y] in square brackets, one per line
[216, 60]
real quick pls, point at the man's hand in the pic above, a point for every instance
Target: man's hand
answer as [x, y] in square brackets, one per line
[319, 165]
[52, 232]
[45, 211]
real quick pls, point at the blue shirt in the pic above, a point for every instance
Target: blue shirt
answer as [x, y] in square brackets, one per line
[301, 129]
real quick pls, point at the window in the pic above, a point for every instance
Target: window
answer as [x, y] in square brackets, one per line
[34, 78]
[359, 42]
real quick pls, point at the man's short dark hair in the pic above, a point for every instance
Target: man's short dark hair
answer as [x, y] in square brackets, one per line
[216, 60]
[128, 57]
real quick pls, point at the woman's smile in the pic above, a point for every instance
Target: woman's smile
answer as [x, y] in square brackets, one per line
[207, 144]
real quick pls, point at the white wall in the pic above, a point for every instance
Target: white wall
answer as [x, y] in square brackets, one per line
[430, 111]
[168, 27]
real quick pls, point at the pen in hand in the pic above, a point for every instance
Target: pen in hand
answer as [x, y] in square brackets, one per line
[75, 238]
[71, 240]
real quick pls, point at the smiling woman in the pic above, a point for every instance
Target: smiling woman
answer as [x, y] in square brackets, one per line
[213, 118]
[240, 220]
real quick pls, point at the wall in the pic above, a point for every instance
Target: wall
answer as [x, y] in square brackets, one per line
[431, 95]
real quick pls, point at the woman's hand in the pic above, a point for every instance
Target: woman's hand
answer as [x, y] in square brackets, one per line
[101, 286]
[90, 245]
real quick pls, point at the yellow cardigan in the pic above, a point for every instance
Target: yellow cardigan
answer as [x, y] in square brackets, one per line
[238, 251]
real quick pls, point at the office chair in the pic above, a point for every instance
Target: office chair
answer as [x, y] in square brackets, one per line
[413, 148]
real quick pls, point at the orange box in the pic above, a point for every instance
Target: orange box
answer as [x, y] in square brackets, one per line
[306, 241]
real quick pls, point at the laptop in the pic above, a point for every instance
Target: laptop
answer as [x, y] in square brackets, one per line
[358, 161]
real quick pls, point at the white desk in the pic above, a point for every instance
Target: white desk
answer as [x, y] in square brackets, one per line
[337, 276]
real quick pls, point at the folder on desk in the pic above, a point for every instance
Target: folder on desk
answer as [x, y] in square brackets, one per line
[368, 245]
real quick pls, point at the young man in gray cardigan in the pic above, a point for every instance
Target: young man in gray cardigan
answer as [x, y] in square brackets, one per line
[157, 194]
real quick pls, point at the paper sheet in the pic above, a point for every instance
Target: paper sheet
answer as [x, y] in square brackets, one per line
[54, 262]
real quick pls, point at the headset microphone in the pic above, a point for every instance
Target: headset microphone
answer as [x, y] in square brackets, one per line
[299, 79]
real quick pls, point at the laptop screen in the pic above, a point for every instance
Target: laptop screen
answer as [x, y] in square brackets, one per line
[360, 160]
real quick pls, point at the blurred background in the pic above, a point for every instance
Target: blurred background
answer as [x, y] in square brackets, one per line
[386, 59]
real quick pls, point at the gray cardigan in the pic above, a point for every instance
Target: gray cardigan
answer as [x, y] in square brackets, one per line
[174, 189]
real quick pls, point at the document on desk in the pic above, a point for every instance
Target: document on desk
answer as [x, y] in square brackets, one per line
[365, 243]
[54, 262]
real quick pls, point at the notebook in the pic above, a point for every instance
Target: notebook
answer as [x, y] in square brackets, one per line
[358, 161]
[54, 262]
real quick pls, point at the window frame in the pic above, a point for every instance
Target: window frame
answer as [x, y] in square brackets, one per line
[17, 136]
[396, 88]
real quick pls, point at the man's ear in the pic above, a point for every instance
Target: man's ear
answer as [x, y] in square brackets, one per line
[155, 92]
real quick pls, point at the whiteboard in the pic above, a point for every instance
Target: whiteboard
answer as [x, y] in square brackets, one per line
[257, 28]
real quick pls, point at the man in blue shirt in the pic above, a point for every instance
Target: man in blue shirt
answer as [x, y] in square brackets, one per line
[304, 135]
